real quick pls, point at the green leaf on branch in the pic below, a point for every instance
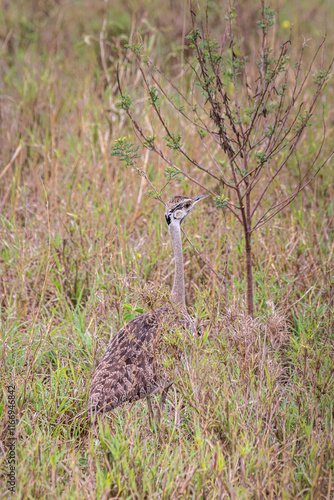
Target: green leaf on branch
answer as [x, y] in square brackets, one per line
[124, 103]
[174, 141]
[201, 133]
[302, 122]
[261, 158]
[136, 48]
[126, 151]
[221, 202]
[193, 36]
[149, 143]
[151, 193]
[153, 92]
[267, 20]
[270, 131]
[321, 77]
[172, 174]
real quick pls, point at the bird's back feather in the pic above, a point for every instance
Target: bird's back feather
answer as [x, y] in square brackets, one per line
[129, 369]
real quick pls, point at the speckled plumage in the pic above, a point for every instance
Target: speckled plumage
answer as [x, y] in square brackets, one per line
[129, 369]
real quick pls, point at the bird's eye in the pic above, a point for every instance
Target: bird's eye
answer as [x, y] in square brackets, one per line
[187, 205]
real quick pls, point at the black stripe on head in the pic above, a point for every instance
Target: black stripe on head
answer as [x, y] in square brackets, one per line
[168, 219]
[180, 205]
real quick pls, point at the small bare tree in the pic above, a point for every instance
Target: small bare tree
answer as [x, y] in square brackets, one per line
[250, 117]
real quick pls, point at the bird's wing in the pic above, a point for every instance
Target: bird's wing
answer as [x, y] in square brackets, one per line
[126, 371]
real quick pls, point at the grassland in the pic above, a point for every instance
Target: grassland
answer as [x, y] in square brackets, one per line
[83, 250]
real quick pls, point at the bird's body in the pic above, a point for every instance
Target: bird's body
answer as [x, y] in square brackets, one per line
[130, 369]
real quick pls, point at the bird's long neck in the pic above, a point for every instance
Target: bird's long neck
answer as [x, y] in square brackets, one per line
[178, 291]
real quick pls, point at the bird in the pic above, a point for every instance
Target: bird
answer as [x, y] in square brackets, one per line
[129, 370]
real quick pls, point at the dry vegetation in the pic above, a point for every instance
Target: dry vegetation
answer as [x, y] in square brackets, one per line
[83, 250]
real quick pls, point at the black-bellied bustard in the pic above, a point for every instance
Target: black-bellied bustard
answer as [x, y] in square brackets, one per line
[128, 370]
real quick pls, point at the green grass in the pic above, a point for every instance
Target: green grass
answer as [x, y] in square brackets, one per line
[83, 249]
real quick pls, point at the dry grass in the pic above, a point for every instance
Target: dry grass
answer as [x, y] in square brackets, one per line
[83, 250]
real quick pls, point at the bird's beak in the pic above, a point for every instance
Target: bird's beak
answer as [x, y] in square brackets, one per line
[199, 198]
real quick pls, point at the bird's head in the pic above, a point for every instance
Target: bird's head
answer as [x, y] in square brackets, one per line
[179, 207]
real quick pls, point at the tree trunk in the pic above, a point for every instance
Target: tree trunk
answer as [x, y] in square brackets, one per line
[249, 271]
[248, 238]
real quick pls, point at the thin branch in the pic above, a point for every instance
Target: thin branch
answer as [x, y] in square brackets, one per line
[162, 121]
[290, 198]
[201, 257]
[169, 162]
